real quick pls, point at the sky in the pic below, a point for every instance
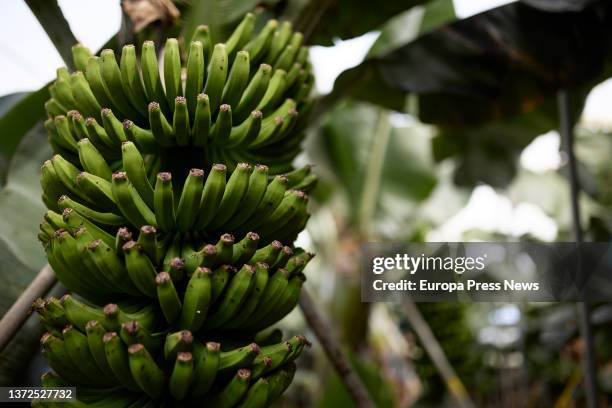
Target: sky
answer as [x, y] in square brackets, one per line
[29, 60]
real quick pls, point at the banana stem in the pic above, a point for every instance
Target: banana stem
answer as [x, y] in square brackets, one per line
[334, 352]
[16, 316]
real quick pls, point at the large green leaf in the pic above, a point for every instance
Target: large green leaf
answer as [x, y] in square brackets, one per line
[372, 161]
[323, 21]
[51, 18]
[496, 64]
[18, 115]
[21, 255]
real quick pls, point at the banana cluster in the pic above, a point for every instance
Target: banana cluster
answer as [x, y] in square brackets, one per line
[173, 208]
[224, 285]
[115, 355]
[248, 199]
[245, 100]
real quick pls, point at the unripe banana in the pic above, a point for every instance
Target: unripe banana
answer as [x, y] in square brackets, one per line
[111, 74]
[133, 164]
[219, 280]
[241, 35]
[206, 364]
[202, 34]
[238, 79]
[235, 189]
[172, 71]
[180, 122]
[177, 342]
[97, 190]
[257, 396]
[80, 56]
[92, 161]
[213, 193]
[274, 92]
[217, 74]
[202, 121]
[140, 269]
[132, 333]
[93, 73]
[243, 251]
[84, 96]
[167, 296]
[56, 354]
[132, 81]
[182, 375]
[195, 74]
[150, 75]
[131, 204]
[245, 133]
[221, 130]
[260, 280]
[74, 221]
[197, 300]
[233, 392]
[110, 219]
[113, 127]
[78, 351]
[143, 138]
[234, 297]
[164, 202]
[162, 130]
[254, 92]
[95, 333]
[258, 46]
[149, 377]
[189, 203]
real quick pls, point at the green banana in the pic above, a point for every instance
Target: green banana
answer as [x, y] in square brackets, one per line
[150, 74]
[180, 121]
[241, 34]
[164, 202]
[176, 342]
[221, 130]
[267, 254]
[131, 204]
[130, 75]
[56, 354]
[258, 182]
[97, 217]
[172, 71]
[202, 121]
[83, 95]
[195, 74]
[147, 239]
[219, 280]
[206, 365]
[77, 349]
[160, 127]
[189, 203]
[245, 133]
[182, 375]
[134, 166]
[272, 198]
[143, 138]
[241, 357]
[254, 92]
[111, 75]
[149, 377]
[271, 297]
[235, 189]
[91, 159]
[95, 333]
[217, 74]
[113, 127]
[140, 269]
[237, 79]
[213, 194]
[253, 299]
[234, 297]
[243, 251]
[132, 333]
[167, 296]
[97, 190]
[118, 361]
[282, 258]
[257, 395]
[258, 46]
[233, 392]
[197, 300]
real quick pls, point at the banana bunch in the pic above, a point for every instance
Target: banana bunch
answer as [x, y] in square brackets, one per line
[247, 199]
[117, 358]
[225, 285]
[173, 208]
[245, 100]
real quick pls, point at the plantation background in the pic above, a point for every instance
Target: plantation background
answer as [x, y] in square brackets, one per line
[436, 121]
